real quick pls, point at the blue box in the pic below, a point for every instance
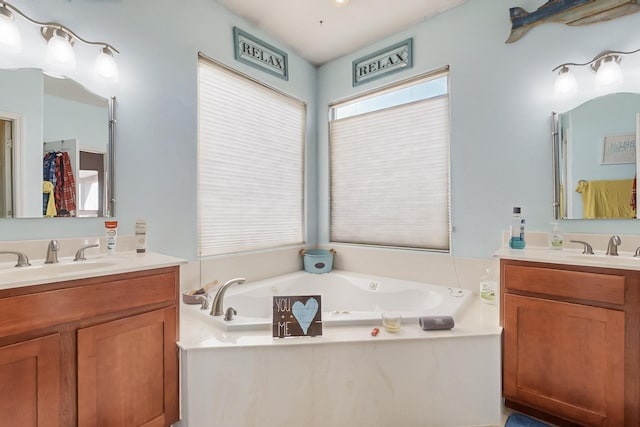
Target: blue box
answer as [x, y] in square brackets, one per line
[317, 260]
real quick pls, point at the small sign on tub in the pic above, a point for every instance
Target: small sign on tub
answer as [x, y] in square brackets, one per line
[297, 316]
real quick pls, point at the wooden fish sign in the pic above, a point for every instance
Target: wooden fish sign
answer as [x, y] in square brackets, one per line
[570, 12]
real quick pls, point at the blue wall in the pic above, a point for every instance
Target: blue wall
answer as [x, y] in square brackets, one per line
[156, 107]
[501, 103]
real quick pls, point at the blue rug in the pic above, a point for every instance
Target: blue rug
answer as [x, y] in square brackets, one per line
[519, 420]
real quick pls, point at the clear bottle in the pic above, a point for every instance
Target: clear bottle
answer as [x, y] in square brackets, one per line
[488, 287]
[517, 230]
[555, 237]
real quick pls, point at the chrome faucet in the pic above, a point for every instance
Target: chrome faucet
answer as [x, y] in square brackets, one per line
[614, 242]
[216, 308]
[52, 252]
[80, 252]
[23, 261]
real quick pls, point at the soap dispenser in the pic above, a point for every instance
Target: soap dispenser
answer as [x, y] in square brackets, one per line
[555, 238]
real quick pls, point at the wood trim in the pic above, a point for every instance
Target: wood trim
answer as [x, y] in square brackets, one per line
[44, 355]
[541, 368]
[579, 285]
[39, 310]
[94, 402]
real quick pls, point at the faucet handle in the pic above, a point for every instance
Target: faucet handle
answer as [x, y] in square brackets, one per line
[23, 260]
[80, 252]
[587, 249]
[204, 301]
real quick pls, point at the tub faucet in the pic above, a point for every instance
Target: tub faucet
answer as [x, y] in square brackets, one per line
[216, 307]
[52, 252]
[614, 242]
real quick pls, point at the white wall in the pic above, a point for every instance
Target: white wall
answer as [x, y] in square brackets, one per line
[22, 93]
[501, 104]
[156, 106]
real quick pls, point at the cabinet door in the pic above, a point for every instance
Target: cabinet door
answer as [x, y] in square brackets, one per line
[30, 383]
[128, 373]
[565, 359]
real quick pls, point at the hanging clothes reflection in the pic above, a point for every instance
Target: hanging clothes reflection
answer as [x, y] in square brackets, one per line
[56, 169]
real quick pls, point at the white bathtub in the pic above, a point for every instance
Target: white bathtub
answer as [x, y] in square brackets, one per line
[347, 299]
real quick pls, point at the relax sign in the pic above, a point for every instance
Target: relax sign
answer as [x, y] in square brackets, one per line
[258, 54]
[392, 59]
[295, 316]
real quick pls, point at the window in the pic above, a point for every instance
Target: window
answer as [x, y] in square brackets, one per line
[390, 166]
[250, 163]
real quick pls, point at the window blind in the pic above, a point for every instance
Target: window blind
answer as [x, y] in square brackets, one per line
[250, 164]
[390, 176]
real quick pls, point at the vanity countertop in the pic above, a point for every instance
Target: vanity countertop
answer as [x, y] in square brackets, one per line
[102, 265]
[624, 261]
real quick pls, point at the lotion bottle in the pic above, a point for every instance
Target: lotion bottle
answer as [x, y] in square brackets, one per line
[555, 237]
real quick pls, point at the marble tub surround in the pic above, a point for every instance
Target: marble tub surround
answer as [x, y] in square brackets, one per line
[422, 266]
[252, 266]
[344, 377]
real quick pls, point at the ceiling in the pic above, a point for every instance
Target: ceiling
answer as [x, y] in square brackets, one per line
[319, 31]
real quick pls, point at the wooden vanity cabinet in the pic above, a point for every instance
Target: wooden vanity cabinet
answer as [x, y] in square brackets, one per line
[91, 352]
[571, 343]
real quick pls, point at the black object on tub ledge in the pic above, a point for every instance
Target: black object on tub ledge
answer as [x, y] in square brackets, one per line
[436, 323]
[317, 260]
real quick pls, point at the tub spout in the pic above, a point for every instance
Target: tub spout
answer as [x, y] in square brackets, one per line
[216, 308]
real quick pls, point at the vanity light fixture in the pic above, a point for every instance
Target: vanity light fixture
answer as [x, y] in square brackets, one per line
[606, 65]
[59, 55]
[339, 3]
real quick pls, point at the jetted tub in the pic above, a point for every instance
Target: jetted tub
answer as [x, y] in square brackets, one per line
[347, 299]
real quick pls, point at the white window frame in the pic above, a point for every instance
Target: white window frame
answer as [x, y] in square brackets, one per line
[376, 189]
[250, 163]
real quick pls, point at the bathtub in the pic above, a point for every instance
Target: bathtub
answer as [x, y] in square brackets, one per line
[346, 377]
[348, 299]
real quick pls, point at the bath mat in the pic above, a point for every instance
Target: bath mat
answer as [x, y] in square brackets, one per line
[519, 420]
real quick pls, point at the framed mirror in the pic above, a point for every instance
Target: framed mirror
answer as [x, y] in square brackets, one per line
[57, 147]
[595, 158]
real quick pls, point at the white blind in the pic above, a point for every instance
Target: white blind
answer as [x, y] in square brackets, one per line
[390, 176]
[250, 164]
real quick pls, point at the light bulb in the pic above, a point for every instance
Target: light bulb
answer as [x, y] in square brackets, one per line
[59, 55]
[106, 66]
[566, 83]
[339, 3]
[10, 40]
[609, 73]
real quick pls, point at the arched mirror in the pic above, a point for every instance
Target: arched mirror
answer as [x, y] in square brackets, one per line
[595, 158]
[57, 147]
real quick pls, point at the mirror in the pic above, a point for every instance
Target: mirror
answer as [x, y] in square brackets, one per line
[595, 158]
[57, 147]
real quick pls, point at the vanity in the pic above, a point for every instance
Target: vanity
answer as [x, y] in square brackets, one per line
[571, 343]
[91, 347]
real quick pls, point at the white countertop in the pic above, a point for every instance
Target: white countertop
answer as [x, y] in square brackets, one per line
[197, 331]
[67, 269]
[624, 261]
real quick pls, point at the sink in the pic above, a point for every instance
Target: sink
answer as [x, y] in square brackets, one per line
[36, 272]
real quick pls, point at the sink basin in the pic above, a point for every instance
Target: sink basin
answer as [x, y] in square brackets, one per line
[36, 272]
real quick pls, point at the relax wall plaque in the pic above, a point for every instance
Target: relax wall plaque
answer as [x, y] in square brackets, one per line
[258, 54]
[383, 62]
[297, 316]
